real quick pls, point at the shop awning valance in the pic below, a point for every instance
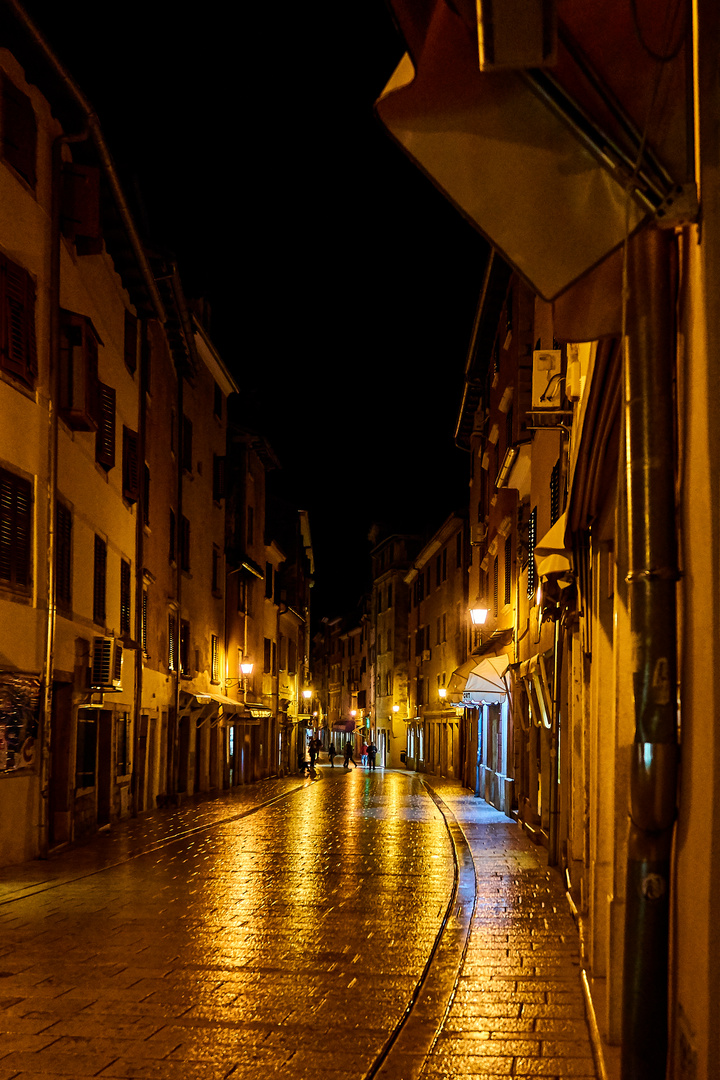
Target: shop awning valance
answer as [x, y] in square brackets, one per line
[479, 682]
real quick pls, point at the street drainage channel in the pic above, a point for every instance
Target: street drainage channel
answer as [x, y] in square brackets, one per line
[412, 1041]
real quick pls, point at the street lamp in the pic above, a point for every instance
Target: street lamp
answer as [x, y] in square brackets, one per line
[478, 615]
[442, 692]
[246, 669]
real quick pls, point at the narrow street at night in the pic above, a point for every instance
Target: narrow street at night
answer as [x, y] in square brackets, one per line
[295, 928]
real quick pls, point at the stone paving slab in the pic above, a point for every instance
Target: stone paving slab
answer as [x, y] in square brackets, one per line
[518, 1007]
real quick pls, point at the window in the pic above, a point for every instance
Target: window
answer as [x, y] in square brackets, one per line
[122, 744]
[389, 641]
[18, 353]
[216, 565]
[438, 631]
[19, 131]
[78, 372]
[438, 571]
[218, 478]
[292, 657]
[282, 653]
[80, 209]
[86, 748]
[131, 466]
[130, 341]
[186, 448]
[508, 569]
[105, 438]
[143, 627]
[124, 596]
[172, 642]
[532, 540]
[389, 596]
[495, 586]
[444, 564]
[185, 544]
[146, 494]
[444, 627]
[15, 532]
[273, 659]
[185, 647]
[63, 556]
[171, 549]
[268, 580]
[99, 580]
[267, 655]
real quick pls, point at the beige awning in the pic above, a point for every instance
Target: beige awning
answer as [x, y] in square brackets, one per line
[480, 682]
[540, 161]
[552, 553]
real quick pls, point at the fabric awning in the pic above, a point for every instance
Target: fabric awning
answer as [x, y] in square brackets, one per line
[203, 707]
[531, 158]
[552, 554]
[346, 726]
[479, 682]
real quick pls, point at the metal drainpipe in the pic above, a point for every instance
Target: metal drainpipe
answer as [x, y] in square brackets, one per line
[649, 468]
[53, 397]
[135, 778]
[553, 840]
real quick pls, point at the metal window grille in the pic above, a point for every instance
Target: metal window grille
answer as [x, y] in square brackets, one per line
[172, 641]
[532, 540]
[124, 596]
[496, 574]
[555, 492]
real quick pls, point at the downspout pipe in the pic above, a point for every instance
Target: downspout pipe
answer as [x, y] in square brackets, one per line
[44, 823]
[652, 549]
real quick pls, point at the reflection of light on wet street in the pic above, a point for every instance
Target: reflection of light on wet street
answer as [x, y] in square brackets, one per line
[228, 945]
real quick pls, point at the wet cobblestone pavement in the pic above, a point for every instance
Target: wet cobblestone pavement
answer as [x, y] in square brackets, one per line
[230, 937]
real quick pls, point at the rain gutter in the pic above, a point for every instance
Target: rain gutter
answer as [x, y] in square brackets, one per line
[651, 580]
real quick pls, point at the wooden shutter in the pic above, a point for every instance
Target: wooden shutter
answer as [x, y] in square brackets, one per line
[81, 207]
[99, 580]
[105, 438]
[15, 532]
[124, 596]
[63, 555]
[18, 350]
[19, 131]
[131, 465]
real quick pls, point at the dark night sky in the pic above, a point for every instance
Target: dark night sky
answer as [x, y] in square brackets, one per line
[343, 286]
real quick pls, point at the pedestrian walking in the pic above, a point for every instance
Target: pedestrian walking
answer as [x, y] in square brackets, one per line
[363, 753]
[331, 754]
[318, 748]
[303, 758]
[371, 753]
[312, 751]
[349, 755]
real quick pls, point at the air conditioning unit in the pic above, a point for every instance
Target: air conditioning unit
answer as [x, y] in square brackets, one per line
[426, 654]
[478, 533]
[106, 671]
[516, 34]
[546, 379]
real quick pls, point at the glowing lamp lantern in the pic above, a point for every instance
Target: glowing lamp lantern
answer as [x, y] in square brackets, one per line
[396, 708]
[442, 691]
[246, 669]
[478, 615]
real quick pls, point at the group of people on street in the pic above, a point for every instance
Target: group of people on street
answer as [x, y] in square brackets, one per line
[310, 753]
